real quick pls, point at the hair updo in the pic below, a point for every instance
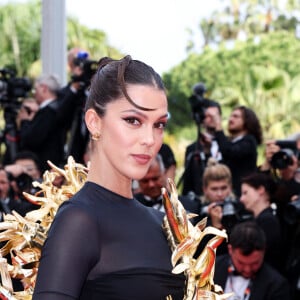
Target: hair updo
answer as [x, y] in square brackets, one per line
[112, 77]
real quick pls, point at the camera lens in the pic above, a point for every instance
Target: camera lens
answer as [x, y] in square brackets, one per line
[282, 159]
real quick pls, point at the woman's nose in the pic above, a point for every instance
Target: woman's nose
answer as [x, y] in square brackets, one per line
[148, 136]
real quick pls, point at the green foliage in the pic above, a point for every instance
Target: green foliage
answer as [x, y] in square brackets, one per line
[20, 35]
[20, 38]
[260, 73]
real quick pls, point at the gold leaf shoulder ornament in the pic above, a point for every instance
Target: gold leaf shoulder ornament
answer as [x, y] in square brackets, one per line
[184, 239]
[25, 236]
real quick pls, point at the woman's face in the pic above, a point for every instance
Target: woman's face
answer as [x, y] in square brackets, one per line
[217, 190]
[250, 196]
[131, 137]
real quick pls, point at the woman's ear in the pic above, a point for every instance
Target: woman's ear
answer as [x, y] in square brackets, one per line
[93, 122]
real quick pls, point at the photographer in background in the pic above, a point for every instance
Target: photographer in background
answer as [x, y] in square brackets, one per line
[239, 149]
[24, 170]
[12, 91]
[43, 133]
[218, 202]
[9, 200]
[72, 101]
[27, 110]
[282, 162]
[197, 153]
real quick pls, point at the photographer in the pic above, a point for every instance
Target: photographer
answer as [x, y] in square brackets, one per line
[42, 134]
[27, 111]
[282, 162]
[9, 199]
[239, 149]
[218, 202]
[22, 172]
[72, 101]
[197, 153]
[12, 91]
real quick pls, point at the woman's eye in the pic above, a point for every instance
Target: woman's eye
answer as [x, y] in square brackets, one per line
[160, 125]
[132, 121]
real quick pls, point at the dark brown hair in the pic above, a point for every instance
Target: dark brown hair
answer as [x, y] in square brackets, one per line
[251, 123]
[112, 77]
[248, 237]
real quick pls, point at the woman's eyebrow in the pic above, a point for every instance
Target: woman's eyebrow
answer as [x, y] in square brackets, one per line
[143, 114]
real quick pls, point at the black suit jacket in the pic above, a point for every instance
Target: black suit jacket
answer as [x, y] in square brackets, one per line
[240, 156]
[195, 163]
[267, 285]
[44, 136]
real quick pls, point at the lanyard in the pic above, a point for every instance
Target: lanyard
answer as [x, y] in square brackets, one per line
[247, 291]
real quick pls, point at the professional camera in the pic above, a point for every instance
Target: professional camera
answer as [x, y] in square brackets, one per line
[233, 213]
[198, 102]
[88, 67]
[11, 87]
[12, 91]
[230, 213]
[284, 157]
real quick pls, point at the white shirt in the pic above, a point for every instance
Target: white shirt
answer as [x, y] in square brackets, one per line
[236, 285]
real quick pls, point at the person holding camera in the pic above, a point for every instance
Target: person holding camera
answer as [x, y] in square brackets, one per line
[239, 149]
[218, 202]
[9, 200]
[258, 192]
[72, 101]
[42, 134]
[24, 170]
[282, 162]
[198, 152]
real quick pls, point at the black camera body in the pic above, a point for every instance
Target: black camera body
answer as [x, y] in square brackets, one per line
[284, 157]
[233, 212]
[12, 92]
[198, 102]
[230, 213]
[11, 87]
[88, 67]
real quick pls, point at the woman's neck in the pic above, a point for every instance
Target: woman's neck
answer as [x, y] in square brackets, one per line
[259, 208]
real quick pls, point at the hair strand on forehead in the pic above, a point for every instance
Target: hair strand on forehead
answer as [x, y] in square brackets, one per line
[121, 71]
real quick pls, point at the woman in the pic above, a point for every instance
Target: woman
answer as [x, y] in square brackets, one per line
[257, 194]
[103, 244]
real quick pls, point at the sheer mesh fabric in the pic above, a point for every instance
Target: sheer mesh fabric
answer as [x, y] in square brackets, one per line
[103, 246]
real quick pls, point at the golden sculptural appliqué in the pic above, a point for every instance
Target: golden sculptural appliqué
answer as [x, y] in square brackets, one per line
[184, 239]
[25, 236]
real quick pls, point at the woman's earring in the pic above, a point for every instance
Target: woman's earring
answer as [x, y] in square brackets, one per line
[96, 136]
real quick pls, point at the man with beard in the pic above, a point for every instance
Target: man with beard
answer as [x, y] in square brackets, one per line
[239, 150]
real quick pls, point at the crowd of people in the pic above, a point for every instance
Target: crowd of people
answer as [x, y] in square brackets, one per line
[223, 181]
[112, 227]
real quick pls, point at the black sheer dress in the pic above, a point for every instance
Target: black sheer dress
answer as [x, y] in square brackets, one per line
[104, 246]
